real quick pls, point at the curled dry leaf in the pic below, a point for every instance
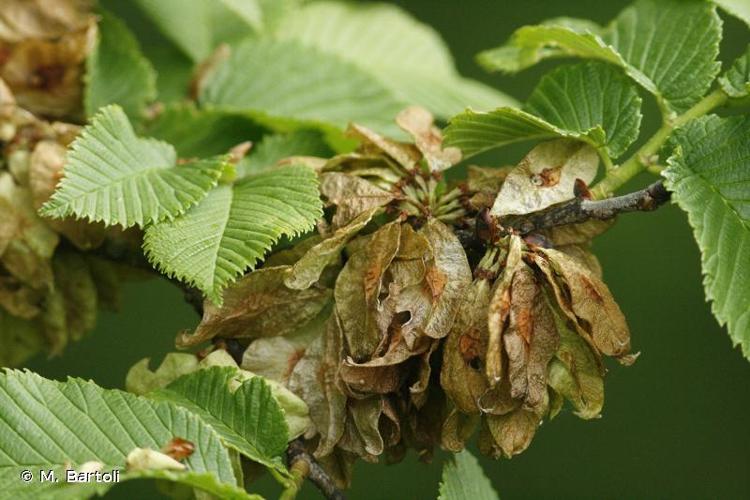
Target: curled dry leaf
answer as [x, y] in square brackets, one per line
[593, 305]
[405, 155]
[352, 196]
[258, 305]
[510, 434]
[427, 137]
[310, 266]
[546, 176]
[358, 287]
[23, 19]
[315, 380]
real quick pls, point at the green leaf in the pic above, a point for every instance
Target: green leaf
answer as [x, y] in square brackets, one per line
[249, 419]
[406, 56]
[230, 231]
[667, 46]
[736, 81]
[322, 88]
[590, 101]
[274, 148]
[116, 71]
[709, 175]
[463, 479]
[53, 425]
[738, 8]
[196, 30]
[114, 176]
[203, 132]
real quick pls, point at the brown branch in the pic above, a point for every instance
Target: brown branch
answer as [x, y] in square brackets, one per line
[296, 453]
[580, 210]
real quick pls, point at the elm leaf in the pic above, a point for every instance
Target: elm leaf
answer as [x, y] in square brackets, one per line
[463, 479]
[114, 176]
[709, 177]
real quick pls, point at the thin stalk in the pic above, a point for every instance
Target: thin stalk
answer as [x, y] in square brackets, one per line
[641, 159]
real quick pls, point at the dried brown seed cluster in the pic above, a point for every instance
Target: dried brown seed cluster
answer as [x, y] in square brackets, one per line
[395, 338]
[49, 291]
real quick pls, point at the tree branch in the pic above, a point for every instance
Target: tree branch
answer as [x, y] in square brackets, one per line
[580, 210]
[296, 453]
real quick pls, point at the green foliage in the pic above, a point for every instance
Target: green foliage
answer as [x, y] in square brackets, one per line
[230, 231]
[278, 97]
[709, 176]
[117, 72]
[65, 425]
[202, 132]
[248, 418]
[738, 8]
[406, 56]
[275, 148]
[667, 46]
[118, 178]
[591, 101]
[736, 81]
[463, 479]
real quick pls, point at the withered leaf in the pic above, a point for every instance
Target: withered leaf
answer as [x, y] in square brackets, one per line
[545, 176]
[22, 19]
[19, 299]
[19, 339]
[275, 357]
[457, 429]
[308, 268]
[73, 280]
[315, 380]
[447, 277]
[462, 374]
[45, 74]
[576, 373]
[499, 309]
[429, 140]
[352, 196]
[577, 234]
[258, 305]
[511, 433]
[358, 289]
[27, 243]
[593, 305]
[405, 155]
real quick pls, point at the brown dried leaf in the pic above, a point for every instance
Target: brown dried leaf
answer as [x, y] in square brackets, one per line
[448, 277]
[352, 196]
[19, 339]
[74, 282]
[258, 305]
[429, 140]
[18, 299]
[576, 373]
[457, 429]
[499, 309]
[22, 19]
[462, 374]
[276, 357]
[511, 433]
[310, 266]
[26, 242]
[315, 379]
[577, 234]
[593, 305]
[358, 287]
[45, 74]
[546, 176]
[405, 155]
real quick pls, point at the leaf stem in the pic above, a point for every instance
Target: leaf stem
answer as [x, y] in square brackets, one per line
[642, 158]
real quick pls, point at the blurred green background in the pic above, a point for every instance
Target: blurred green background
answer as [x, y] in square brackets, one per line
[675, 424]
